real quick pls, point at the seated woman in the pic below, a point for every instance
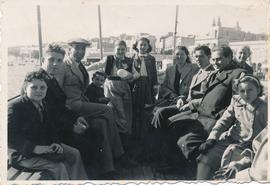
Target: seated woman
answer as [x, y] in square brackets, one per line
[32, 134]
[176, 84]
[178, 77]
[243, 120]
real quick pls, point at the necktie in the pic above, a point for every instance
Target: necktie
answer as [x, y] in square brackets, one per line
[84, 72]
[41, 112]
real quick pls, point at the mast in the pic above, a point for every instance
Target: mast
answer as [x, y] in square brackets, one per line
[39, 34]
[100, 33]
[175, 28]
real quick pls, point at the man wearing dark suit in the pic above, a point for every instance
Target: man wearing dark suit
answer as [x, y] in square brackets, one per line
[196, 89]
[206, 112]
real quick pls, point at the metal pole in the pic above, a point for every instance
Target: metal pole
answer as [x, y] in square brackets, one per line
[100, 34]
[175, 28]
[39, 34]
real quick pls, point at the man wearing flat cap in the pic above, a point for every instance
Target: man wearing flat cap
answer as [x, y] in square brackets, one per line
[75, 82]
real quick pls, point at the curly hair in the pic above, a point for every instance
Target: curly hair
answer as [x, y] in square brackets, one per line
[249, 78]
[135, 45]
[54, 47]
[37, 75]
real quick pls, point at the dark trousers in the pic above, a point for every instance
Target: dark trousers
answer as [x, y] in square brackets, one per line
[162, 114]
[190, 141]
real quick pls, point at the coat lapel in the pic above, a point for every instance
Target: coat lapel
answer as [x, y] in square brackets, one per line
[75, 70]
[186, 71]
[31, 108]
[220, 77]
[193, 81]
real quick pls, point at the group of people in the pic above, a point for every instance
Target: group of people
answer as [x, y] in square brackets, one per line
[61, 124]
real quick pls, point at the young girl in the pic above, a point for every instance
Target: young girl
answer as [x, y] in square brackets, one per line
[144, 84]
[32, 134]
[243, 120]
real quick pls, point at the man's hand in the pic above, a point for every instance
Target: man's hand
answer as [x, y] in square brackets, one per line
[56, 148]
[179, 103]
[80, 126]
[184, 108]
[39, 149]
[227, 172]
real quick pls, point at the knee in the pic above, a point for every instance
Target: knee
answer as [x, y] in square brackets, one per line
[74, 155]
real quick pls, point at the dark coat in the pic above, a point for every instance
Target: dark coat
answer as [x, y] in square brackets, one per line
[198, 86]
[219, 92]
[63, 116]
[216, 98]
[94, 92]
[26, 129]
[167, 89]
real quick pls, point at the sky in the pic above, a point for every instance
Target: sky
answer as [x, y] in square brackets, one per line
[62, 20]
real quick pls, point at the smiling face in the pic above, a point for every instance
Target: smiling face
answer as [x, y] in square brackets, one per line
[201, 58]
[36, 90]
[53, 62]
[143, 46]
[243, 54]
[248, 91]
[219, 61]
[180, 57]
[77, 52]
[120, 51]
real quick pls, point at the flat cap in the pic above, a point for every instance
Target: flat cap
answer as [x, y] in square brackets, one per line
[78, 41]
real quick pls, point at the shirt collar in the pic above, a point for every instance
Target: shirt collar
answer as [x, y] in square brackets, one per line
[143, 55]
[204, 69]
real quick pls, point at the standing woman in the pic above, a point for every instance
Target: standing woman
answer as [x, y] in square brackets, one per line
[144, 84]
[117, 88]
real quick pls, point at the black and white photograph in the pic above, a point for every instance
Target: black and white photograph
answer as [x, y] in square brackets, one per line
[125, 91]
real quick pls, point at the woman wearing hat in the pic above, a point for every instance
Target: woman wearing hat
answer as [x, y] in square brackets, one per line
[118, 68]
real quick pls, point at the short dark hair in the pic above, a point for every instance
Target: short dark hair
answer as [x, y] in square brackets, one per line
[225, 50]
[135, 46]
[205, 49]
[54, 47]
[38, 75]
[184, 48]
[100, 73]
